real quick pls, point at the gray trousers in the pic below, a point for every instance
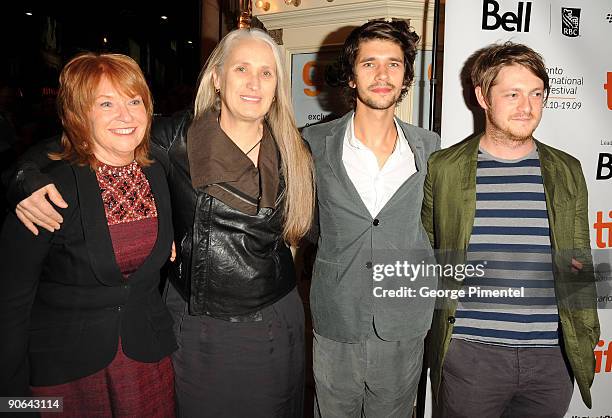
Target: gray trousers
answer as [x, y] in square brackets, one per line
[489, 381]
[373, 378]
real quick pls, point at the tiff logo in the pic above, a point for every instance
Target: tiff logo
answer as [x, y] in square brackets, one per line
[601, 227]
[570, 22]
[509, 21]
[599, 357]
[608, 88]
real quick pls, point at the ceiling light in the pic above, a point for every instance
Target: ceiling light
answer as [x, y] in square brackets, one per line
[263, 5]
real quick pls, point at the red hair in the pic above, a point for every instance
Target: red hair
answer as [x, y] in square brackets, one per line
[79, 82]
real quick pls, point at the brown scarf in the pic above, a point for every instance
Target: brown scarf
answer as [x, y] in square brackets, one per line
[218, 167]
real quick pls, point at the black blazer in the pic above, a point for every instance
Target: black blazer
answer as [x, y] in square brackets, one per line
[63, 301]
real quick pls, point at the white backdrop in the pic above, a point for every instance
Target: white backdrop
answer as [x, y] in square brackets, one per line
[575, 39]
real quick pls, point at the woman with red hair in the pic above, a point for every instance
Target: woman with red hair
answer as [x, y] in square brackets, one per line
[80, 309]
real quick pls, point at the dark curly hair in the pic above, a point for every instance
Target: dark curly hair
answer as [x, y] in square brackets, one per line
[397, 31]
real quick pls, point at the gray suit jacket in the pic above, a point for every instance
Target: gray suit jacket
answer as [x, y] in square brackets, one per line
[352, 243]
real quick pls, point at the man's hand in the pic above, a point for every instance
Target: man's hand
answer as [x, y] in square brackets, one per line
[576, 265]
[36, 210]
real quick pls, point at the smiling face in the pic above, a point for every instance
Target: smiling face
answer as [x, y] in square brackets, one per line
[514, 108]
[118, 124]
[378, 74]
[247, 82]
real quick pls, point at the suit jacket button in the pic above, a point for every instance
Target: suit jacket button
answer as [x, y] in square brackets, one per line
[376, 222]
[119, 308]
[369, 265]
[451, 319]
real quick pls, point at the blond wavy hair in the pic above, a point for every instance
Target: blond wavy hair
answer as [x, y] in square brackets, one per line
[296, 161]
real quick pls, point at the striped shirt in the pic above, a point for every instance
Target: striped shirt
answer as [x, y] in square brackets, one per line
[511, 238]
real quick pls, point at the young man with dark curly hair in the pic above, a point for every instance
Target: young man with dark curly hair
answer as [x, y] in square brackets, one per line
[370, 168]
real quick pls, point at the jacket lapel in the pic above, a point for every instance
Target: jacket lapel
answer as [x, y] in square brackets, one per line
[95, 228]
[549, 175]
[333, 152]
[161, 250]
[466, 163]
[416, 146]
[418, 150]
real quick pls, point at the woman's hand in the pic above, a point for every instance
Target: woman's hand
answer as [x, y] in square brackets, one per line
[173, 252]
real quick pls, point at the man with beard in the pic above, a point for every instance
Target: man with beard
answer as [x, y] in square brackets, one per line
[518, 207]
[370, 168]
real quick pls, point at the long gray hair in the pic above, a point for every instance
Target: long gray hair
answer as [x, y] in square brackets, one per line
[297, 166]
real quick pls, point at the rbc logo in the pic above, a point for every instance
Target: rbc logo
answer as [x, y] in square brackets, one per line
[509, 21]
[570, 22]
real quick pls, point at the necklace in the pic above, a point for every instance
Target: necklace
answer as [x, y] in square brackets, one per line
[117, 171]
[395, 144]
[253, 147]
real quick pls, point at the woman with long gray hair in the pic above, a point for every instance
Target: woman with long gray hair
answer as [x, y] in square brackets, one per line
[247, 191]
[241, 184]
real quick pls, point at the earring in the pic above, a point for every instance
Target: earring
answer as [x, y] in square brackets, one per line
[273, 99]
[217, 91]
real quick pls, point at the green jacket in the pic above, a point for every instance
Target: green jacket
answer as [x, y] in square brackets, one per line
[448, 211]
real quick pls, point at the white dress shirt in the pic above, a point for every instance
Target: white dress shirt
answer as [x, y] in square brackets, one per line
[376, 185]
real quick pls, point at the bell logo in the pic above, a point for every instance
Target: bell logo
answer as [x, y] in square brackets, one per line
[608, 88]
[604, 166]
[600, 354]
[509, 21]
[601, 227]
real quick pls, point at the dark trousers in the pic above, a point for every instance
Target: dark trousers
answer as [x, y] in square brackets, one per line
[373, 378]
[239, 369]
[489, 381]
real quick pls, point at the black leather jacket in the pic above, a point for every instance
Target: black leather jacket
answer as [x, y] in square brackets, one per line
[229, 264]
